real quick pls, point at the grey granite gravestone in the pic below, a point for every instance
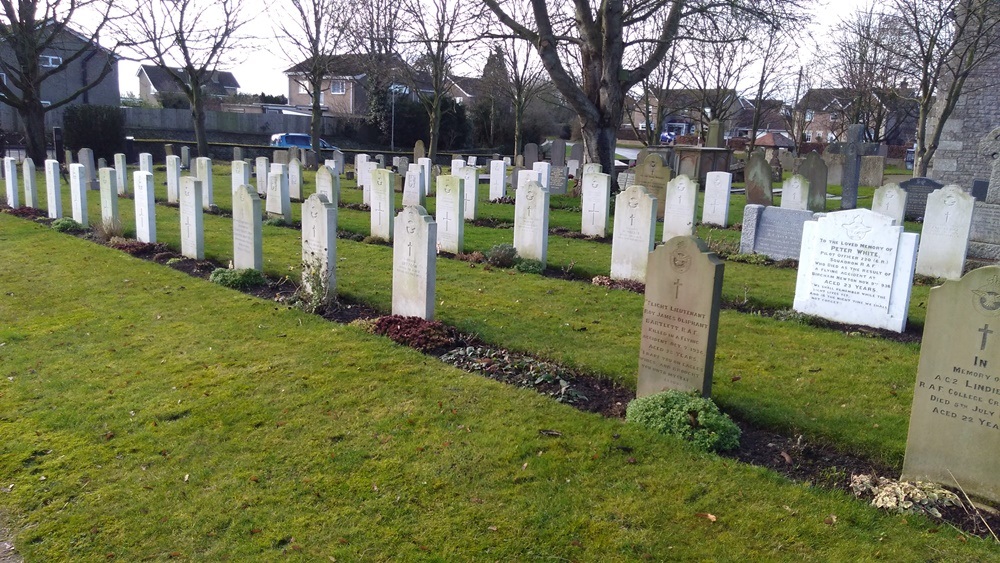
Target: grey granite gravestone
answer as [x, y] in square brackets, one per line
[852, 149]
[917, 189]
[814, 169]
[558, 155]
[773, 231]
[530, 155]
[758, 180]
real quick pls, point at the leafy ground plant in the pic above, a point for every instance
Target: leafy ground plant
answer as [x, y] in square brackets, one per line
[502, 256]
[690, 416]
[903, 496]
[67, 225]
[238, 279]
[529, 266]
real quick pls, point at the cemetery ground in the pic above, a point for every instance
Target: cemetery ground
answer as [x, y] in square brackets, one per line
[148, 415]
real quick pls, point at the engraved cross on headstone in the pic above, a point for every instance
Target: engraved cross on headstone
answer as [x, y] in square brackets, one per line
[989, 147]
[852, 149]
[986, 333]
[593, 213]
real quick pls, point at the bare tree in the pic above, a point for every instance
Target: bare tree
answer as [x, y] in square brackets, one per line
[597, 36]
[648, 94]
[189, 40]
[310, 32]
[526, 81]
[373, 35]
[33, 29]
[774, 51]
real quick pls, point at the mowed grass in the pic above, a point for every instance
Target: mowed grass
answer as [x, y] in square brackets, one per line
[147, 415]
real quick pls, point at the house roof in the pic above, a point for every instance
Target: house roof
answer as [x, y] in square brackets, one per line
[357, 65]
[469, 84]
[162, 81]
[771, 114]
[684, 98]
[778, 140]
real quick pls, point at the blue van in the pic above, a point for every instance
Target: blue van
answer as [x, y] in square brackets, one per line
[300, 140]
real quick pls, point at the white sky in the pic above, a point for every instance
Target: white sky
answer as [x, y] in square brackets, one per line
[262, 71]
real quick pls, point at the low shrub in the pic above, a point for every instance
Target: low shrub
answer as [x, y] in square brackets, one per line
[687, 415]
[529, 266]
[475, 257]
[276, 222]
[238, 279]
[67, 225]
[426, 336]
[372, 239]
[502, 256]
[108, 229]
[136, 247]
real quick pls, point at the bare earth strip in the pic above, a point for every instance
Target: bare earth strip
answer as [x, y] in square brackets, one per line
[7, 552]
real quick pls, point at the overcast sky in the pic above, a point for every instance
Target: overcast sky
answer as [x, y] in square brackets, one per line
[263, 71]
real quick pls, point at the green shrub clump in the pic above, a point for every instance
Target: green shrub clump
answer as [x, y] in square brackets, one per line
[238, 279]
[101, 128]
[502, 256]
[529, 266]
[687, 415]
[67, 225]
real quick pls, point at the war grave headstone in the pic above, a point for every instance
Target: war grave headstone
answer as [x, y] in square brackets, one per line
[263, 168]
[450, 213]
[531, 221]
[68, 157]
[498, 172]
[328, 184]
[168, 149]
[472, 161]
[544, 170]
[186, 158]
[576, 152]
[78, 193]
[595, 197]
[86, 158]
[984, 240]
[248, 244]
[592, 168]
[404, 164]
[558, 155]
[192, 219]
[338, 159]
[173, 178]
[530, 155]
[10, 178]
[414, 263]
[715, 210]
[834, 168]
[853, 150]
[680, 318]
[30, 186]
[525, 176]
[506, 161]
[145, 162]
[573, 168]
[278, 203]
[413, 187]
[558, 179]
[203, 166]
[395, 162]
[758, 180]
[240, 174]
[369, 170]
[773, 231]
[237, 153]
[814, 169]
[653, 174]
[634, 234]
[954, 432]
[53, 188]
[917, 189]
[419, 151]
[319, 246]
[295, 179]
[279, 157]
[380, 160]
[470, 191]
[679, 209]
[360, 168]
[456, 165]
[872, 170]
[890, 200]
[121, 173]
[856, 267]
[382, 203]
[145, 207]
[795, 193]
[109, 197]
[425, 169]
[944, 238]
[101, 163]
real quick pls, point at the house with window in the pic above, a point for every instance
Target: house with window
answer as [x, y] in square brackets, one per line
[157, 83]
[686, 111]
[890, 114]
[464, 89]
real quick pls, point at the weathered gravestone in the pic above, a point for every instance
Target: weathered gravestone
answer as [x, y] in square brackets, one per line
[10, 179]
[109, 198]
[576, 152]
[856, 267]
[338, 160]
[984, 240]
[573, 168]
[814, 169]
[295, 179]
[30, 187]
[237, 153]
[248, 248]
[278, 202]
[592, 168]
[263, 168]
[168, 149]
[203, 167]
[413, 187]
[121, 173]
[917, 189]
[872, 170]
[240, 175]
[530, 155]
[53, 188]
[680, 318]
[186, 158]
[758, 180]
[145, 207]
[954, 433]
[78, 193]
[498, 171]
[450, 213]
[944, 238]
[853, 149]
[86, 158]
[558, 179]
[382, 203]
[634, 234]
[890, 200]
[173, 178]
[654, 175]
[795, 193]
[834, 168]
[279, 157]
[531, 221]
[679, 209]
[145, 162]
[470, 190]
[558, 153]
[595, 197]
[192, 219]
[414, 263]
[419, 151]
[773, 231]
[319, 247]
[715, 210]
[328, 184]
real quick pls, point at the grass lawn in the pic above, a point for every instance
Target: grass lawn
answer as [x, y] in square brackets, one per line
[147, 415]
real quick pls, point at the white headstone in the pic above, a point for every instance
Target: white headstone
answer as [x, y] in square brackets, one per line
[328, 184]
[204, 170]
[413, 186]
[369, 167]
[592, 168]
[319, 246]
[944, 238]
[856, 267]
[192, 231]
[360, 169]
[121, 173]
[795, 193]
[30, 186]
[10, 177]
[544, 170]
[332, 165]
[263, 169]
[425, 166]
[173, 178]
[890, 200]
[78, 193]
[53, 188]
[595, 196]
[278, 202]
[145, 207]
[109, 197]
[634, 234]
[498, 171]
[382, 203]
[471, 161]
[241, 174]
[338, 160]
[470, 189]
[456, 165]
[525, 176]
[414, 263]
[86, 157]
[295, 179]
[146, 162]
[531, 221]
[450, 213]
[248, 247]
[573, 168]
[716, 206]
[679, 209]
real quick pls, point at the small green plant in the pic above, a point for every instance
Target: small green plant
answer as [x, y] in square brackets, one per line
[67, 225]
[367, 325]
[688, 415]
[502, 256]
[175, 260]
[108, 229]
[318, 285]
[756, 259]
[903, 496]
[529, 266]
[372, 239]
[276, 222]
[238, 279]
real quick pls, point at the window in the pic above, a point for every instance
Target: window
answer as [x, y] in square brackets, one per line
[809, 136]
[46, 103]
[337, 87]
[49, 61]
[810, 115]
[302, 89]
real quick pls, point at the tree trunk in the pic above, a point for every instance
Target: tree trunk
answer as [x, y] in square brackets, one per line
[316, 123]
[518, 119]
[33, 115]
[435, 129]
[599, 145]
[198, 118]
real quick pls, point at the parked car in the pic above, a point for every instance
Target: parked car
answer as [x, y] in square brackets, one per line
[667, 138]
[300, 140]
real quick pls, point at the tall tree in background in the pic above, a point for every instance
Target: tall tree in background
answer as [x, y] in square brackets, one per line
[492, 107]
[373, 35]
[649, 93]
[310, 33]
[32, 28]
[188, 39]
[774, 49]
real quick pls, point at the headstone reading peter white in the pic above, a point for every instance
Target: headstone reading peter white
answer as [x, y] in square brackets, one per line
[856, 267]
[413, 186]
[203, 166]
[382, 203]
[814, 169]
[679, 210]
[634, 234]
[414, 263]
[595, 196]
[328, 184]
[470, 190]
[758, 180]
[890, 200]
[954, 432]
[78, 193]
[653, 174]
[295, 179]
[450, 213]
[173, 178]
[795, 193]
[680, 318]
[531, 221]
[263, 168]
[145, 162]
[109, 197]
[917, 189]
[852, 149]
[53, 188]
[30, 188]
[121, 173]
[773, 231]
[278, 202]
[248, 247]
[944, 238]
[145, 207]
[319, 246]
[241, 174]
[715, 210]
[192, 219]
[498, 171]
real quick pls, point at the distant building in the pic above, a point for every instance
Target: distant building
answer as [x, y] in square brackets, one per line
[826, 112]
[464, 89]
[155, 82]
